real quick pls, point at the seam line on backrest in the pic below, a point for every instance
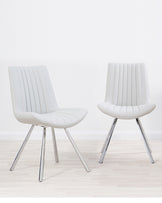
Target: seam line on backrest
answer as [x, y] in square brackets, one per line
[22, 76]
[36, 82]
[25, 74]
[42, 91]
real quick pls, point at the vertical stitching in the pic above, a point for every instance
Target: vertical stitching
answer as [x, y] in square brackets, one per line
[107, 95]
[136, 84]
[139, 84]
[131, 82]
[42, 90]
[28, 89]
[39, 100]
[119, 72]
[34, 97]
[22, 76]
[127, 86]
[114, 69]
[123, 86]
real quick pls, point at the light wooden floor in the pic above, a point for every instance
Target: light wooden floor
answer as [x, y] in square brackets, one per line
[126, 171]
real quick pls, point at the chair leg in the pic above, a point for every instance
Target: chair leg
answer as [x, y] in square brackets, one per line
[21, 149]
[107, 141]
[145, 140]
[42, 158]
[76, 150]
[55, 145]
[107, 138]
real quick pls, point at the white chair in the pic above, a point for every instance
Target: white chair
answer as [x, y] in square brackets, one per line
[34, 103]
[126, 98]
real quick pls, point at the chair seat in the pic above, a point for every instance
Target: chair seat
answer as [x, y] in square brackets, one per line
[61, 118]
[126, 112]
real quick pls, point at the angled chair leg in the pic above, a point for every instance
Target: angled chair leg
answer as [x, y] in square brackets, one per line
[107, 141]
[76, 150]
[145, 140]
[21, 149]
[55, 145]
[108, 136]
[42, 158]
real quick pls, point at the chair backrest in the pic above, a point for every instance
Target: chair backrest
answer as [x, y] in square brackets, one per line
[31, 90]
[126, 84]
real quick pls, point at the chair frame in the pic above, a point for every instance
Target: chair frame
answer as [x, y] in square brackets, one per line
[108, 139]
[42, 157]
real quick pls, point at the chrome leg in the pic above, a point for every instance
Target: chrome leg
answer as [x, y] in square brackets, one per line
[55, 145]
[107, 141]
[21, 149]
[110, 132]
[42, 158]
[76, 150]
[145, 140]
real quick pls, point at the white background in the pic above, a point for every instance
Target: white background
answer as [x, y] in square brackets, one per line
[76, 39]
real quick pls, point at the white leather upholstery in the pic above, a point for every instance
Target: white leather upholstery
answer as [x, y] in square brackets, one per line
[126, 92]
[34, 101]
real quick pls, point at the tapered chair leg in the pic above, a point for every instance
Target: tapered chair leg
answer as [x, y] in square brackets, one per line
[76, 150]
[55, 145]
[108, 136]
[145, 140]
[21, 149]
[42, 158]
[107, 141]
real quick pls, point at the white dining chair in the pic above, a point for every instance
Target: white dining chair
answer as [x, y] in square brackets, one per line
[126, 98]
[34, 103]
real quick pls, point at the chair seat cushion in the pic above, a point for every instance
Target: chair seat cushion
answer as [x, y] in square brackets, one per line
[126, 112]
[61, 118]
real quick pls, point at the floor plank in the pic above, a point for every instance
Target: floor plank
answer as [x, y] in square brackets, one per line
[126, 172]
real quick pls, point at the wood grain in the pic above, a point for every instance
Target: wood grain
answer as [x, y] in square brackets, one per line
[126, 172]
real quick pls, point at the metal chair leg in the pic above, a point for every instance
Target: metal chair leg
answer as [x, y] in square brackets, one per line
[76, 150]
[145, 140]
[107, 138]
[55, 145]
[42, 158]
[107, 141]
[21, 149]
